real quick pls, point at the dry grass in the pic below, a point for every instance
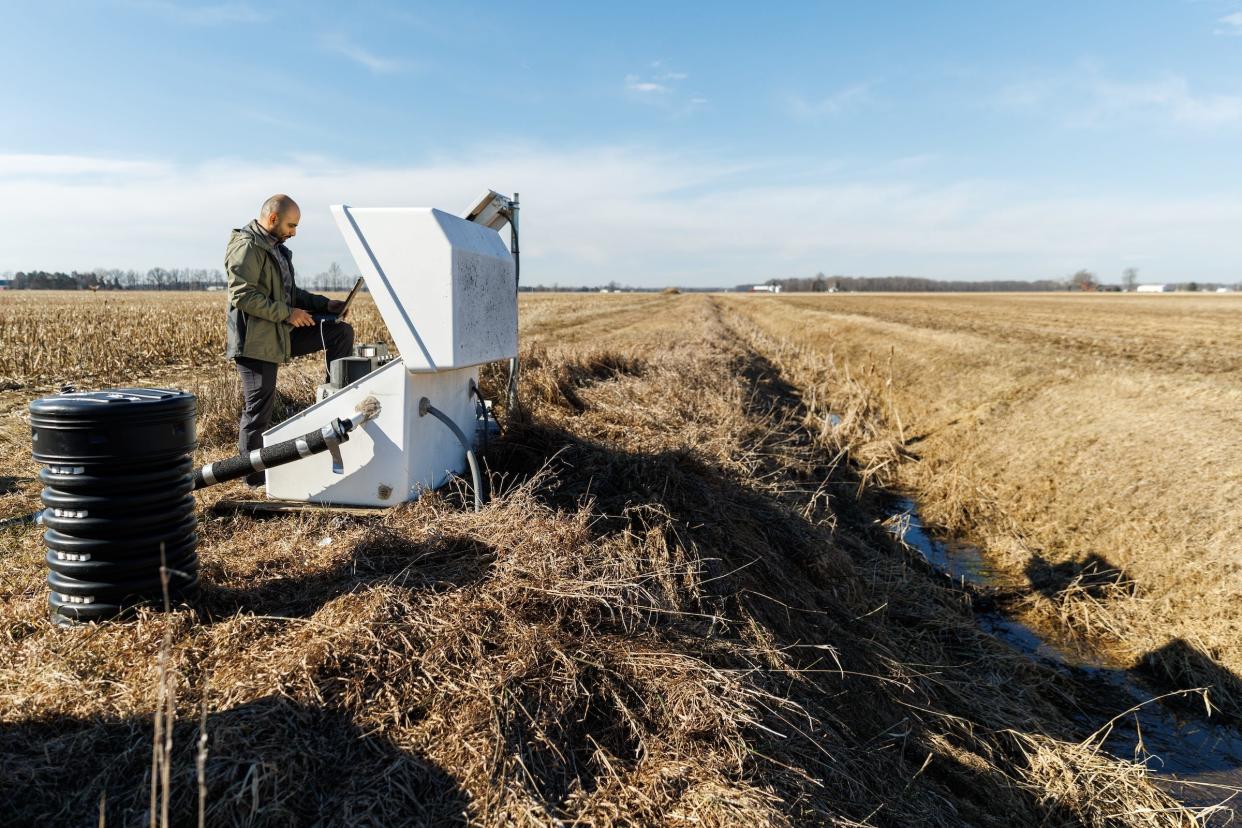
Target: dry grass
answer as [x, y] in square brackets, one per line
[1073, 437]
[679, 610]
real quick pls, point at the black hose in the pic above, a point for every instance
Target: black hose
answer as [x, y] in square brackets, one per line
[425, 407]
[269, 457]
[19, 520]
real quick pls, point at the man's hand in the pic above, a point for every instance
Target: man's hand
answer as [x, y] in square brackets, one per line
[299, 318]
[335, 306]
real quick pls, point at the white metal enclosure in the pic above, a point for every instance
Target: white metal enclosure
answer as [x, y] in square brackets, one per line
[445, 288]
[444, 285]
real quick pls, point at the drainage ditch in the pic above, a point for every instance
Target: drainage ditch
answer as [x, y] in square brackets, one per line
[1197, 758]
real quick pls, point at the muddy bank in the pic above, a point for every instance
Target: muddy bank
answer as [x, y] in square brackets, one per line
[1194, 755]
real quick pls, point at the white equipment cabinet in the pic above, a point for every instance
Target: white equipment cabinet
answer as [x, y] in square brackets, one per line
[445, 288]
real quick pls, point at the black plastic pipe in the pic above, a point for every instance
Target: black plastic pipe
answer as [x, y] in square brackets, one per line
[117, 499]
[22, 520]
[328, 438]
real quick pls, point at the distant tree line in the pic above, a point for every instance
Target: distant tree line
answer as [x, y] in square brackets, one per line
[820, 283]
[334, 278]
[157, 278]
[612, 287]
[1082, 280]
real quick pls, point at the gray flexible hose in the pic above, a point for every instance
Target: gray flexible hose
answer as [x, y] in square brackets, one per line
[424, 408]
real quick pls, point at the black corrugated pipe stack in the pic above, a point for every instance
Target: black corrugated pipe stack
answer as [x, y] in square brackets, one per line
[118, 479]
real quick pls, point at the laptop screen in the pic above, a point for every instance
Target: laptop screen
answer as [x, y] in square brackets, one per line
[349, 300]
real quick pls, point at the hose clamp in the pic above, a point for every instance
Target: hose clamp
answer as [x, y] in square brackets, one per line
[333, 436]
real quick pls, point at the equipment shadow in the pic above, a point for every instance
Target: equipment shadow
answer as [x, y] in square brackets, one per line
[9, 485]
[1175, 666]
[1093, 575]
[384, 555]
[1180, 665]
[271, 761]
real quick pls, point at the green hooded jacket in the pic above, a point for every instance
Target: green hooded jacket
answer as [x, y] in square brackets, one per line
[258, 313]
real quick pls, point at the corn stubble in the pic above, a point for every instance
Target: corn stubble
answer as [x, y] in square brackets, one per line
[677, 610]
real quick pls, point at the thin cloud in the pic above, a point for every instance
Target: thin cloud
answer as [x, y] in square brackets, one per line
[636, 84]
[833, 104]
[1230, 24]
[210, 15]
[666, 217]
[1173, 97]
[663, 90]
[1024, 94]
[1089, 99]
[76, 166]
[341, 45]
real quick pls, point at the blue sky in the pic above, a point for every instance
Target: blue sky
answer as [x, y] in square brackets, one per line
[653, 143]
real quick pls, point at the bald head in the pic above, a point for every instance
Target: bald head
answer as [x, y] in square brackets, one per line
[277, 205]
[280, 215]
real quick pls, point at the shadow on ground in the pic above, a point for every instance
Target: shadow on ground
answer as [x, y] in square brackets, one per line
[268, 762]
[1093, 575]
[761, 551]
[289, 589]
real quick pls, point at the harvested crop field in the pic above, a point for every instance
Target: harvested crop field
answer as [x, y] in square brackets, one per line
[688, 602]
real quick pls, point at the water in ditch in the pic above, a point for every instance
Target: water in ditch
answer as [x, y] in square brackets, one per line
[1195, 757]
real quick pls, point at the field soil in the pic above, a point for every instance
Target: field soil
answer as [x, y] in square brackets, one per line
[686, 603]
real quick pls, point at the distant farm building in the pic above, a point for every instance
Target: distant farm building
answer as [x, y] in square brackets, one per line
[1154, 289]
[766, 288]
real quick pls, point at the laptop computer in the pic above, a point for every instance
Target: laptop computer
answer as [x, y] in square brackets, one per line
[349, 300]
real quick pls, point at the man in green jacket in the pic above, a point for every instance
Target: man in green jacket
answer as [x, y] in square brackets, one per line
[270, 318]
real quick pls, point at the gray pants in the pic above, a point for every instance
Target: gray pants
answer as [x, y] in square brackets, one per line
[258, 381]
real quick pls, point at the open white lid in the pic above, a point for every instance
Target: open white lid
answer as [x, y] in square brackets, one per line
[445, 286]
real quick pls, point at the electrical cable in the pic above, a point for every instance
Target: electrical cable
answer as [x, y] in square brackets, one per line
[424, 408]
[323, 340]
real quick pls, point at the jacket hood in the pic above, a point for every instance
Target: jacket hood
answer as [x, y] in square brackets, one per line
[252, 233]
